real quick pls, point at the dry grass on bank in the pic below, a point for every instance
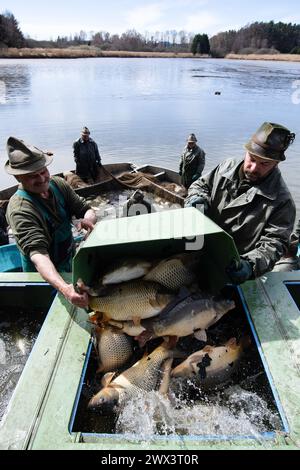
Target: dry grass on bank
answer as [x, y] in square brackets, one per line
[81, 52]
[284, 57]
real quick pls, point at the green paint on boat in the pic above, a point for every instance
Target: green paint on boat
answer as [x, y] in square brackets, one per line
[40, 411]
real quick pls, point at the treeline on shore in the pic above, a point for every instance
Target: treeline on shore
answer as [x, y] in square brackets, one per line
[256, 38]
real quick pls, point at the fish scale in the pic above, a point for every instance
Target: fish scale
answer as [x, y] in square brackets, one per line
[132, 299]
[144, 375]
[173, 273]
[114, 349]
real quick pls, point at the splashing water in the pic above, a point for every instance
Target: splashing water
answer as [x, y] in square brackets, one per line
[235, 412]
[17, 339]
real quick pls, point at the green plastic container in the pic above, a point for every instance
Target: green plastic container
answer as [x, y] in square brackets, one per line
[158, 235]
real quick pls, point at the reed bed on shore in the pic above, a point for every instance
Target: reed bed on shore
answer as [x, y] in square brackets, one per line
[80, 52]
[284, 57]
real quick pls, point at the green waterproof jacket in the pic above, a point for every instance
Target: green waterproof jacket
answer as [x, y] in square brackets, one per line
[191, 165]
[260, 219]
[35, 228]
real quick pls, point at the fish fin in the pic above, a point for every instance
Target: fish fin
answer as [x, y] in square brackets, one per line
[232, 343]
[155, 302]
[143, 338]
[200, 335]
[95, 317]
[107, 378]
[166, 371]
[104, 320]
[136, 321]
[116, 325]
[207, 349]
[170, 341]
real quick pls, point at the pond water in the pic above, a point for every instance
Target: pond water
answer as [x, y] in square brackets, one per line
[141, 110]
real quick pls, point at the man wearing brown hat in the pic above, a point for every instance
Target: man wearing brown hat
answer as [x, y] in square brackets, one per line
[87, 157]
[39, 214]
[251, 202]
[192, 162]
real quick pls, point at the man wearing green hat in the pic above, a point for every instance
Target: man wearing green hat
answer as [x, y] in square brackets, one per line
[192, 162]
[250, 201]
[40, 213]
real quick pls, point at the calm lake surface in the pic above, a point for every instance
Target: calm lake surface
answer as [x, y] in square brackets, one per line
[141, 110]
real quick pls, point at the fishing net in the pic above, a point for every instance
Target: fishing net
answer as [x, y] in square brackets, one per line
[138, 180]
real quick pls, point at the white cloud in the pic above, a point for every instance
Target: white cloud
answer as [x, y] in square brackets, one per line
[145, 17]
[203, 23]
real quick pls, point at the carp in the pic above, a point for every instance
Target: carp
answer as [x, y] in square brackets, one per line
[125, 270]
[176, 271]
[144, 375]
[212, 365]
[131, 300]
[188, 317]
[114, 349]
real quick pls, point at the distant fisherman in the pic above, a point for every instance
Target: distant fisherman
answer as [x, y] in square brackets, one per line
[87, 157]
[39, 214]
[192, 162]
[250, 200]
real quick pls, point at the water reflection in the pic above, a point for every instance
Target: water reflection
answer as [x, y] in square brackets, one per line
[141, 110]
[17, 85]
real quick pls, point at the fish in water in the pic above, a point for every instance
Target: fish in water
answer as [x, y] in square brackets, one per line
[114, 349]
[144, 375]
[187, 317]
[126, 270]
[212, 365]
[131, 301]
[176, 271]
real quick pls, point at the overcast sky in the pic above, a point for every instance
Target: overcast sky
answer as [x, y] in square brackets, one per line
[44, 20]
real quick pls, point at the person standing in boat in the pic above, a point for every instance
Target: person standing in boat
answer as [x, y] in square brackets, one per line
[250, 200]
[39, 214]
[192, 162]
[87, 157]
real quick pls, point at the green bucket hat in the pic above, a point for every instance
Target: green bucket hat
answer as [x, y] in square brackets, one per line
[23, 158]
[270, 142]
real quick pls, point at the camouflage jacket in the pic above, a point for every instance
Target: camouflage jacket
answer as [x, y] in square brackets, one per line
[191, 165]
[260, 219]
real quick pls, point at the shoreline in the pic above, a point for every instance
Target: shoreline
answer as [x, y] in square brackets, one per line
[94, 52]
[274, 57]
[86, 52]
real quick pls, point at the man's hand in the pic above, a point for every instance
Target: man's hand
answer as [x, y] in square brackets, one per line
[78, 299]
[196, 201]
[85, 224]
[239, 273]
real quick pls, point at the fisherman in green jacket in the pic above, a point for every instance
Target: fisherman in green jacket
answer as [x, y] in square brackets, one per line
[40, 213]
[250, 200]
[192, 162]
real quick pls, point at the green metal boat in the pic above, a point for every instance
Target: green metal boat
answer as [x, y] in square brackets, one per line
[43, 412]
